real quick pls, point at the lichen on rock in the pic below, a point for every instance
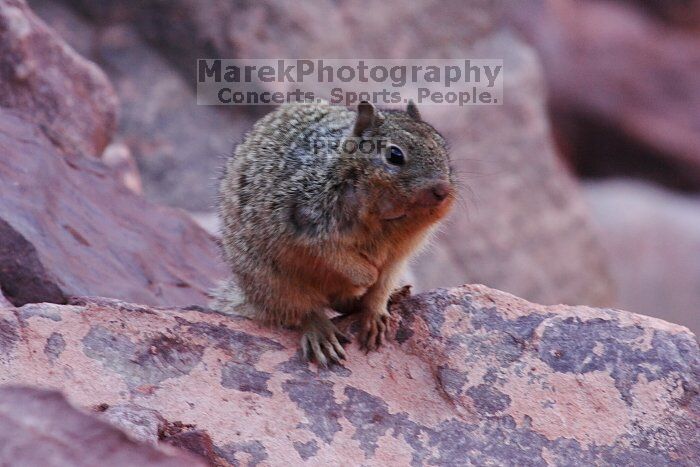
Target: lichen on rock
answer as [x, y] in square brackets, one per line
[472, 374]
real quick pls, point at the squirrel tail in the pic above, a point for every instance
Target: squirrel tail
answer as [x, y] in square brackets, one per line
[229, 300]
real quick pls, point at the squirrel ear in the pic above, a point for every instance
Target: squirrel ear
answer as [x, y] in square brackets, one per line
[412, 111]
[365, 118]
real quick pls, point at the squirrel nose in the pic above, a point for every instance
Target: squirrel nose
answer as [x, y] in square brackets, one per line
[435, 194]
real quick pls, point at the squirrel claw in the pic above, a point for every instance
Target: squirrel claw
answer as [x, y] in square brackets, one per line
[373, 331]
[312, 349]
[321, 343]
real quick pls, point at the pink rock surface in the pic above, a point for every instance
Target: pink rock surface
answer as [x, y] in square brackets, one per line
[39, 427]
[69, 97]
[471, 375]
[68, 226]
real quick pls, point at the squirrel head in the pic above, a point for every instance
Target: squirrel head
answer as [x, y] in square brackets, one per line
[403, 172]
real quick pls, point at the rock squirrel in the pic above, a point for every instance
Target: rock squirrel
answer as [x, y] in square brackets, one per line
[314, 221]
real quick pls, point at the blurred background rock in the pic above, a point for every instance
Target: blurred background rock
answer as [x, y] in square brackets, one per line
[581, 188]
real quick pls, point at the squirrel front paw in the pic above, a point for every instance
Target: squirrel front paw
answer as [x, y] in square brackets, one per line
[321, 340]
[373, 328]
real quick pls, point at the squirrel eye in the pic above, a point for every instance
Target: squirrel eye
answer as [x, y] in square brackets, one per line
[395, 156]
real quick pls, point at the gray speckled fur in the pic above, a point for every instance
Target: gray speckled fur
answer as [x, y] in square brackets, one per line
[304, 225]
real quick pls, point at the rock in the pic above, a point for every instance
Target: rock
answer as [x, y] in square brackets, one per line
[147, 426]
[472, 375]
[118, 157]
[142, 424]
[685, 13]
[195, 441]
[207, 220]
[67, 227]
[652, 240]
[179, 146]
[521, 225]
[624, 88]
[72, 27]
[69, 98]
[38, 427]
[185, 30]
